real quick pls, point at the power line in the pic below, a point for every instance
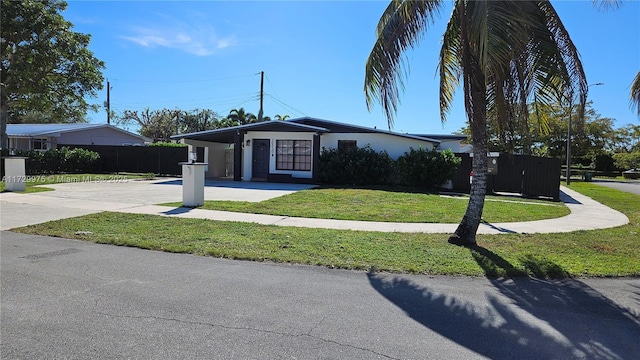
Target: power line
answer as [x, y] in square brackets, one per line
[284, 104]
[181, 80]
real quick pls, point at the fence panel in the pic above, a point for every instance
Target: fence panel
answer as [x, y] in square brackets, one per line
[541, 177]
[140, 159]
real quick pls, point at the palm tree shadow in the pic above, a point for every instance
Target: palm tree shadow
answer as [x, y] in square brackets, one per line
[521, 318]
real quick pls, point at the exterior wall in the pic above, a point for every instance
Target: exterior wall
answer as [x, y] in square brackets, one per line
[394, 145]
[214, 155]
[454, 145]
[273, 137]
[100, 136]
[20, 143]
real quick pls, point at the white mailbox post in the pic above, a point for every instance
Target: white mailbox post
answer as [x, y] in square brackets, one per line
[14, 173]
[193, 183]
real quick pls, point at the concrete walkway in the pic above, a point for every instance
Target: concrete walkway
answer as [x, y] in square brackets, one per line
[139, 197]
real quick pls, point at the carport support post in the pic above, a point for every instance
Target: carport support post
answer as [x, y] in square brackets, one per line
[237, 156]
[193, 184]
[316, 158]
[15, 173]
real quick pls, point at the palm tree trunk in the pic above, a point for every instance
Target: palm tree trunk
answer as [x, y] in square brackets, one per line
[465, 234]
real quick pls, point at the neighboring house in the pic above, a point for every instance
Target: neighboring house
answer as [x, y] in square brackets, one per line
[51, 136]
[289, 151]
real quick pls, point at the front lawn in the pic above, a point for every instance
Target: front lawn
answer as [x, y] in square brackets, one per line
[607, 252]
[390, 205]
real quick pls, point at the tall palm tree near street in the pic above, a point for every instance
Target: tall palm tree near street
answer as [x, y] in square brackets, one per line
[504, 54]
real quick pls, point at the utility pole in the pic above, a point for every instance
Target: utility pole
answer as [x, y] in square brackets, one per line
[260, 113]
[108, 102]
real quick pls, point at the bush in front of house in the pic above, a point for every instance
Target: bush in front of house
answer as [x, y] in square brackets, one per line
[356, 166]
[58, 161]
[426, 168]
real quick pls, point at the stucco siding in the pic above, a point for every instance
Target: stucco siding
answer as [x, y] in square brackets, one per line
[100, 136]
[394, 145]
[273, 137]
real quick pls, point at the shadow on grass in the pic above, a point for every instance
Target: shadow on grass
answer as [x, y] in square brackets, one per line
[494, 266]
[520, 318]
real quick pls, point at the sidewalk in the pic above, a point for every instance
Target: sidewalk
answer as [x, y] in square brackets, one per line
[70, 200]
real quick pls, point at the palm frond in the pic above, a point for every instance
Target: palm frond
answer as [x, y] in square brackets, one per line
[400, 27]
[635, 93]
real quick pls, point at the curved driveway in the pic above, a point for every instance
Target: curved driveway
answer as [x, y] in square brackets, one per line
[74, 199]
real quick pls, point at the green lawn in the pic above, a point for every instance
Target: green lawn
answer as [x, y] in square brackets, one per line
[610, 252]
[390, 205]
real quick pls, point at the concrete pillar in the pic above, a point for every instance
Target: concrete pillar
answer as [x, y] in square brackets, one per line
[193, 184]
[15, 176]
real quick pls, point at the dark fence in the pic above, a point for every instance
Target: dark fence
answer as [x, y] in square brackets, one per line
[140, 159]
[530, 176]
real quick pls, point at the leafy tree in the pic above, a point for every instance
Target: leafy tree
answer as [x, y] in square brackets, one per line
[158, 125]
[198, 120]
[46, 67]
[504, 52]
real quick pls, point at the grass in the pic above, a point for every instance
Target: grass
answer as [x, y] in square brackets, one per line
[408, 205]
[34, 182]
[609, 252]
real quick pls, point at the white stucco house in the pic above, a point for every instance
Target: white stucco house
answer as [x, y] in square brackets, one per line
[51, 136]
[289, 151]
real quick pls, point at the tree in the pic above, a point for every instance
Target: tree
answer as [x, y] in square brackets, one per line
[197, 120]
[281, 117]
[158, 125]
[46, 67]
[504, 52]
[240, 117]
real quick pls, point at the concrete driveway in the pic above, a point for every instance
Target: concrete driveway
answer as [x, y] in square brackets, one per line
[70, 299]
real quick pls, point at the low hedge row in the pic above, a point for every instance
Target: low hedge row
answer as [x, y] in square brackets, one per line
[365, 166]
[59, 161]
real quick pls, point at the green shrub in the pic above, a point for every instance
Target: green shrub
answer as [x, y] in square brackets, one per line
[57, 161]
[627, 161]
[356, 166]
[425, 168]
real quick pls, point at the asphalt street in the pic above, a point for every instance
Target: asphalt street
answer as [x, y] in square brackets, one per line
[627, 186]
[76, 300]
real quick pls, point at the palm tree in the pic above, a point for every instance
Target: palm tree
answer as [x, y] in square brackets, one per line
[635, 93]
[281, 117]
[504, 54]
[241, 117]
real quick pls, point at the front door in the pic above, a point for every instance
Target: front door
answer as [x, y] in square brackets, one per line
[260, 168]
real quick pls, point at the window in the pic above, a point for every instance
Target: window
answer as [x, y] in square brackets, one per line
[347, 145]
[293, 155]
[40, 144]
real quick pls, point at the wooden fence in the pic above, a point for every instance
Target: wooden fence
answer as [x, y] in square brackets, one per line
[140, 159]
[530, 176]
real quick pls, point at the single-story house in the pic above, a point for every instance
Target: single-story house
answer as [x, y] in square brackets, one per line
[51, 136]
[289, 151]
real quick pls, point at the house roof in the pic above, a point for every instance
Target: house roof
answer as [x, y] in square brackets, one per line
[443, 137]
[303, 124]
[226, 135]
[336, 127]
[54, 130]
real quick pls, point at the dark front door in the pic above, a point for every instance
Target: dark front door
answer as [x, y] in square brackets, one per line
[260, 167]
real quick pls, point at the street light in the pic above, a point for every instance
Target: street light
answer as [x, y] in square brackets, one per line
[568, 173]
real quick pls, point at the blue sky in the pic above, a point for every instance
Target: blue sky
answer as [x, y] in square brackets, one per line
[208, 54]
